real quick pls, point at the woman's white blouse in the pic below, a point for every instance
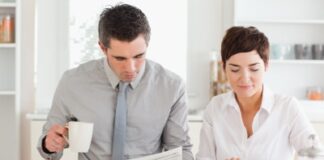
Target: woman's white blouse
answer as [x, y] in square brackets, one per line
[279, 128]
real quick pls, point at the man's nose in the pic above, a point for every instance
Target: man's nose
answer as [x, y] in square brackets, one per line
[130, 65]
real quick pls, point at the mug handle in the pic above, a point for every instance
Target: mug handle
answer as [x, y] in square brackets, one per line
[64, 136]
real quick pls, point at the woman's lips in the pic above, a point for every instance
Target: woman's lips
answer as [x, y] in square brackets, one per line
[245, 86]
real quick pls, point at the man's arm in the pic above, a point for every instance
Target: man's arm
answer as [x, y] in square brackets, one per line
[53, 128]
[176, 131]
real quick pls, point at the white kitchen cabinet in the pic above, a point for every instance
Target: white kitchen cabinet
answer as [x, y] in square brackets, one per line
[38, 120]
[10, 85]
[36, 130]
[319, 127]
[195, 123]
[287, 23]
[194, 133]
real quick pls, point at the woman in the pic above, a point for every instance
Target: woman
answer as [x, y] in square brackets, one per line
[251, 122]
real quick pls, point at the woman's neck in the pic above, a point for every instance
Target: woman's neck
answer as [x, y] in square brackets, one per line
[250, 104]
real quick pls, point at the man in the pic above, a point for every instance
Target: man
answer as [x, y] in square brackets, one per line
[156, 110]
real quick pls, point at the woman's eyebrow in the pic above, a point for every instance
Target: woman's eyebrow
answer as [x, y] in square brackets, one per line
[254, 64]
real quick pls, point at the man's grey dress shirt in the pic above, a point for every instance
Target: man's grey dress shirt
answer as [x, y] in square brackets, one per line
[157, 109]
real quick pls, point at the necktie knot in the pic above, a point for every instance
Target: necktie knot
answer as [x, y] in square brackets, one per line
[122, 87]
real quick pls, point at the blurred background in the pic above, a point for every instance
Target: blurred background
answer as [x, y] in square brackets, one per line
[40, 39]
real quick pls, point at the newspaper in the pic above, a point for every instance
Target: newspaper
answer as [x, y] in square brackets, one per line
[173, 154]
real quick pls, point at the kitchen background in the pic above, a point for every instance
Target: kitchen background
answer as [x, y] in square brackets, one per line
[40, 39]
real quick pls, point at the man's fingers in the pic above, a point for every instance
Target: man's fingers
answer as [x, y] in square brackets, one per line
[54, 141]
[55, 147]
[59, 140]
[61, 130]
[54, 144]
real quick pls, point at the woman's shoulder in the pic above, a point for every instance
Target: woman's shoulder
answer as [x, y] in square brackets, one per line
[221, 98]
[284, 99]
[288, 103]
[217, 103]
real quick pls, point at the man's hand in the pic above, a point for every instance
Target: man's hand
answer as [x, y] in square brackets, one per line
[55, 141]
[233, 158]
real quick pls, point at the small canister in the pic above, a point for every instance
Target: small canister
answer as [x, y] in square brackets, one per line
[8, 29]
[315, 93]
[1, 28]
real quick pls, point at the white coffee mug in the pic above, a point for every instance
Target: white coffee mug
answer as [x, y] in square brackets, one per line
[80, 135]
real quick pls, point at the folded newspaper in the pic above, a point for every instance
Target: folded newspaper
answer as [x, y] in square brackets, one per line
[173, 154]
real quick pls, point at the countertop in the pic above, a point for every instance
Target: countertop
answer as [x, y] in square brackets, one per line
[42, 117]
[313, 109]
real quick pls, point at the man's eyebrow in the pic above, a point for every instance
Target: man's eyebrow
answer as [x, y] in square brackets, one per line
[118, 56]
[140, 54]
[234, 65]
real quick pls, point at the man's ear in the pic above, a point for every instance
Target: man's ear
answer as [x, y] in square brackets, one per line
[102, 47]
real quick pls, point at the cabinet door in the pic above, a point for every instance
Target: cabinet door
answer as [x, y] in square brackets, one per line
[36, 130]
[194, 133]
[319, 127]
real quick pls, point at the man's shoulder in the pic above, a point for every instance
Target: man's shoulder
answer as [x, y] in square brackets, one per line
[86, 68]
[160, 73]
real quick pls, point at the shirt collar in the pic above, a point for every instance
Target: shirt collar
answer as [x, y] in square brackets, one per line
[232, 101]
[266, 104]
[139, 76]
[114, 80]
[267, 99]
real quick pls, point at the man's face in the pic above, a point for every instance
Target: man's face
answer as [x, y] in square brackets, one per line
[126, 58]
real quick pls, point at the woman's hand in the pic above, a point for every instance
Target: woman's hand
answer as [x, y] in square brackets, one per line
[233, 158]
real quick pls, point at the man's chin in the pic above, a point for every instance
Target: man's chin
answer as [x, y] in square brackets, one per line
[129, 79]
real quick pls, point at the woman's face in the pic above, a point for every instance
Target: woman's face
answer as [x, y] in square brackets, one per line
[245, 72]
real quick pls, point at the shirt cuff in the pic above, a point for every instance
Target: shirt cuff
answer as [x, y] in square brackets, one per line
[45, 153]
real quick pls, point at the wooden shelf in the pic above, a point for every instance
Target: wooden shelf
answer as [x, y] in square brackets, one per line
[297, 61]
[284, 21]
[7, 4]
[10, 98]
[317, 103]
[7, 45]
[7, 93]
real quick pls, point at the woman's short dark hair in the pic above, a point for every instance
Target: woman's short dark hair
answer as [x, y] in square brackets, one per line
[122, 22]
[244, 39]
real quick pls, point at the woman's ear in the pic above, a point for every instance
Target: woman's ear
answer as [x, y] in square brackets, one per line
[266, 66]
[223, 65]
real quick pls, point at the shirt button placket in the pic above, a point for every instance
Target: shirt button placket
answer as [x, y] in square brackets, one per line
[244, 148]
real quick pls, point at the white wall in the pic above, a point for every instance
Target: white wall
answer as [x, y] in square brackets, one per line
[27, 74]
[168, 45]
[207, 21]
[184, 51]
[46, 52]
